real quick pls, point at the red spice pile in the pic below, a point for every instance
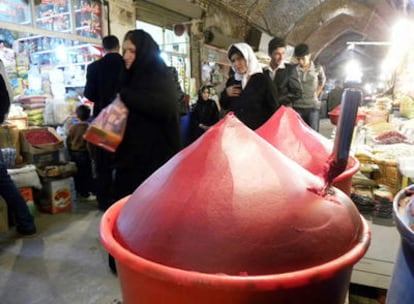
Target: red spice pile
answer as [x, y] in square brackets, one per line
[40, 137]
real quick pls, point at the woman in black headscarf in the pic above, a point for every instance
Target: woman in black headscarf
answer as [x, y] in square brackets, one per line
[205, 113]
[152, 133]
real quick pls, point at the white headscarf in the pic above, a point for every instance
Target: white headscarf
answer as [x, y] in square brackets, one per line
[253, 65]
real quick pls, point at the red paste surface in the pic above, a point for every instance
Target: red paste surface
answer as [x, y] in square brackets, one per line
[286, 131]
[231, 203]
[40, 137]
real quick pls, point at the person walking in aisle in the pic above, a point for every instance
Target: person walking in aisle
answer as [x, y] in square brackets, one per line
[15, 202]
[152, 134]
[103, 80]
[312, 78]
[247, 91]
[286, 87]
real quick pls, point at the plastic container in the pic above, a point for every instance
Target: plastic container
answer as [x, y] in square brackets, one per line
[334, 116]
[401, 288]
[143, 281]
[228, 230]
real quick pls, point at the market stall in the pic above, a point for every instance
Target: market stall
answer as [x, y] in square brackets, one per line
[46, 47]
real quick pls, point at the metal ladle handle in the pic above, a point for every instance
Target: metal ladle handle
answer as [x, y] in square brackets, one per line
[351, 99]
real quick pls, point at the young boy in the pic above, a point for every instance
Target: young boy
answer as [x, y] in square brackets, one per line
[79, 153]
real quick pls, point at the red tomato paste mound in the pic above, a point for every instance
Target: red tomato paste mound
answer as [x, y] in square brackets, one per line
[40, 137]
[231, 203]
[286, 131]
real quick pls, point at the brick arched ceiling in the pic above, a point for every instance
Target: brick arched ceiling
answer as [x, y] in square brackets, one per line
[327, 26]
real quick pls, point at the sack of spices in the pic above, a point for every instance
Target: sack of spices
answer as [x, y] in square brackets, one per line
[108, 128]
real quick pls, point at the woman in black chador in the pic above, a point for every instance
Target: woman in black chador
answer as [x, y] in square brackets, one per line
[205, 113]
[152, 133]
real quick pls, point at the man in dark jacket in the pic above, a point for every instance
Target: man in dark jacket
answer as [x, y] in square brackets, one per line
[103, 76]
[286, 88]
[8, 190]
[103, 80]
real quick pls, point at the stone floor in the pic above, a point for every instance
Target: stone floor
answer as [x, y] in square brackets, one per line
[65, 263]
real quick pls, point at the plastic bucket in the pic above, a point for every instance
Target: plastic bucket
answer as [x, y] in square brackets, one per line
[344, 180]
[143, 281]
[401, 288]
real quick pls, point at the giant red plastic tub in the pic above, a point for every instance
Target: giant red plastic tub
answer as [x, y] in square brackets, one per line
[146, 282]
[230, 219]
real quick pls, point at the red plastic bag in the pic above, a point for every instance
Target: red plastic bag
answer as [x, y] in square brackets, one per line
[108, 128]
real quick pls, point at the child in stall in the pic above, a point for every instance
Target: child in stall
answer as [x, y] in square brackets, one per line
[79, 153]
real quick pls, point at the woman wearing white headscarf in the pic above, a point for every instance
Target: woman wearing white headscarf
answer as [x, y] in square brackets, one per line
[247, 91]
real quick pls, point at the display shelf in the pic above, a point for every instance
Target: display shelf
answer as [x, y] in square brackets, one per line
[57, 15]
[67, 48]
[72, 64]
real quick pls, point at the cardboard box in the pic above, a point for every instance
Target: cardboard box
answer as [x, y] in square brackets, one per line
[27, 147]
[4, 217]
[40, 154]
[55, 196]
[42, 159]
[27, 194]
[21, 122]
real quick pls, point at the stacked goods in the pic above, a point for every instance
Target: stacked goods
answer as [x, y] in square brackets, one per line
[406, 106]
[384, 133]
[363, 200]
[383, 103]
[34, 107]
[376, 115]
[376, 128]
[385, 158]
[383, 202]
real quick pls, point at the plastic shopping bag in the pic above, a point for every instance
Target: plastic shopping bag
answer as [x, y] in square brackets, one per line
[108, 128]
